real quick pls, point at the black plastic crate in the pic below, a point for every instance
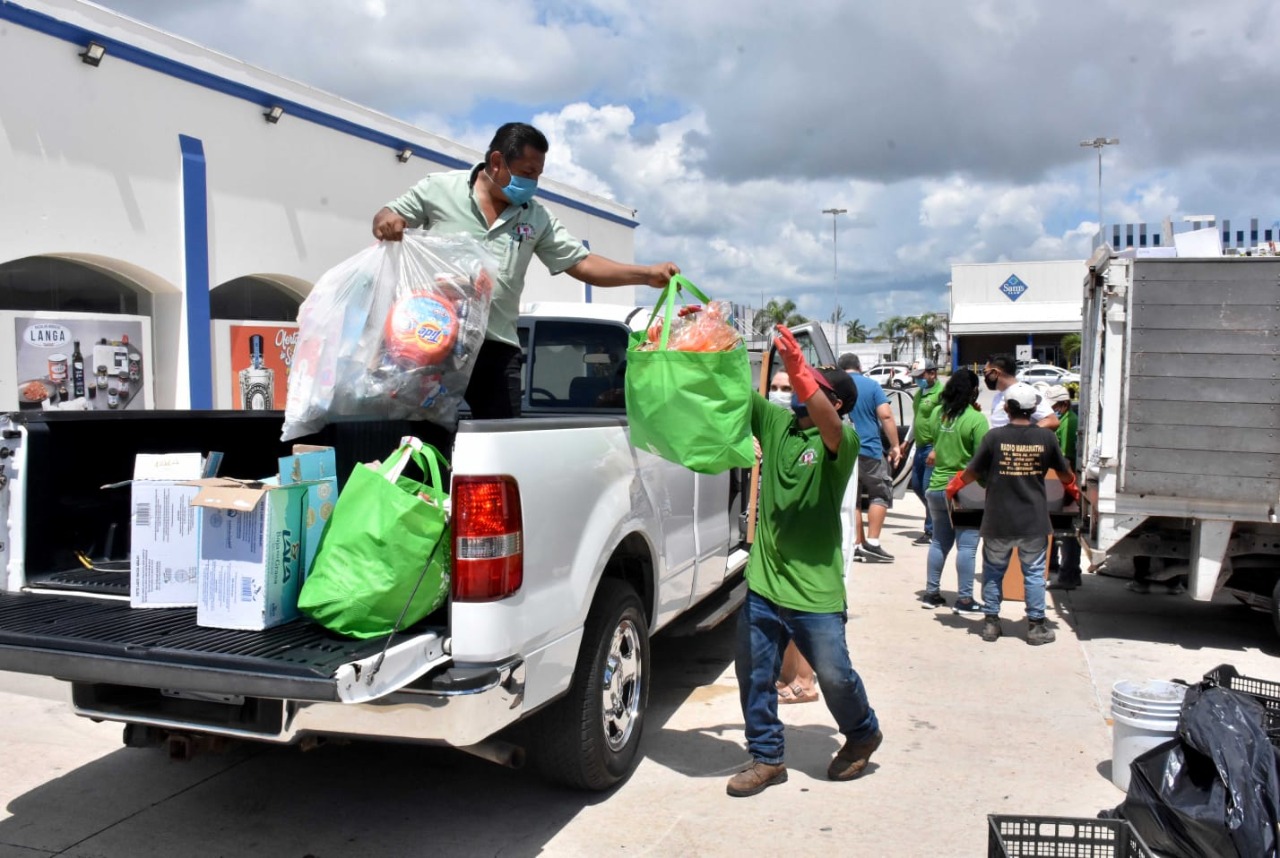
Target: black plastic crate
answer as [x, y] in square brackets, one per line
[1063, 837]
[1264, 691]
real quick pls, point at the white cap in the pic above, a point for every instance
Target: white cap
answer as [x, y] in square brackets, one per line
[1023, 396]
[1057, 393]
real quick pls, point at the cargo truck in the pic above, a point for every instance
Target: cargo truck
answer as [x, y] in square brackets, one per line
[1180, 419]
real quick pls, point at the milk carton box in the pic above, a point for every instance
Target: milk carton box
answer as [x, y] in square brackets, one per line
[250, 553]
[315, 465]
[164, 530]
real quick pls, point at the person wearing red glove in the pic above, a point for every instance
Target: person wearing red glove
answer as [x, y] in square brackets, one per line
[1012, 461]
[795, 573]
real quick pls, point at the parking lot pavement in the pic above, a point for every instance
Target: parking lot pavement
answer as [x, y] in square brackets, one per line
[970, 729]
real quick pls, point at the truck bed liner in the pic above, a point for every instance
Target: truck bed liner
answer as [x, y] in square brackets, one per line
[113, 632]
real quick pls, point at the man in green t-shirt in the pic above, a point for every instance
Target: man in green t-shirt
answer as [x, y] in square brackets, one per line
[795, 574]
[925, 403]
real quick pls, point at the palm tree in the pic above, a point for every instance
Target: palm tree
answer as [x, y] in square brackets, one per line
[856, 332]
[891, 329]
[777, 313]
[1071, 347]
[923, 328]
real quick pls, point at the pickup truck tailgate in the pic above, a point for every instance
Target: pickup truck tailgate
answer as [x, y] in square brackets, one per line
[105, 641]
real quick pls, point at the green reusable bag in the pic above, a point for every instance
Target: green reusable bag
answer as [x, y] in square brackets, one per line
[691, 408]
[383, 562]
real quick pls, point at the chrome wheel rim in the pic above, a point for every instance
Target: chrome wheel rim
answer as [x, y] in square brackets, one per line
[621, 686]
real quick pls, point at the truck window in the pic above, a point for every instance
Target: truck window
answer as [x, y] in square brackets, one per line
[577, 365]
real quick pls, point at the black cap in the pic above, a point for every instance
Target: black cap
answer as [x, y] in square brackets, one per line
[842, 386]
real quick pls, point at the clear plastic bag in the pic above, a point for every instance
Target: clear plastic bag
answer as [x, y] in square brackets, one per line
[697, 329]
[392, 332]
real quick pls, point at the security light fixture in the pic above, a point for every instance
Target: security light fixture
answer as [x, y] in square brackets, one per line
[835, 262]
[273, 115]
[93, 53]
[1097, 143]
[404, 155]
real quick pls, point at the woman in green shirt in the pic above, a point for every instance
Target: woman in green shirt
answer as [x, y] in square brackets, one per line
[958, 428]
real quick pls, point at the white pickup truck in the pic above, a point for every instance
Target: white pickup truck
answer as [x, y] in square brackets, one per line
[597, 547]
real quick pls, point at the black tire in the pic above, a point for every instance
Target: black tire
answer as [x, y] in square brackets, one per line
[898, 384]
[578, 741]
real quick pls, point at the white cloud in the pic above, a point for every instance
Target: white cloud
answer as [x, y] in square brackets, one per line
[949, 130]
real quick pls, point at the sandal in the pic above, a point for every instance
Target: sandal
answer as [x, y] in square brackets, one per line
[796, 693]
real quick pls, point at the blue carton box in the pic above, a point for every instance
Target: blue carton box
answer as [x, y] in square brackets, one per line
[316, 465]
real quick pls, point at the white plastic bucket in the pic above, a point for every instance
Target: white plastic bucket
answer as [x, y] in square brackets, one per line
[1144, 715]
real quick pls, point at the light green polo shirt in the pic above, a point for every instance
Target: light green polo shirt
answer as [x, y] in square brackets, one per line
[796, 559]
[925, 403]
[446, 202]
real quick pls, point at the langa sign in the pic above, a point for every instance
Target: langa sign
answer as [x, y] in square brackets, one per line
[46, 335]
[1013, 287]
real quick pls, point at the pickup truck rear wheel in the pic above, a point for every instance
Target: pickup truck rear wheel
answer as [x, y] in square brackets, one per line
[589, 739]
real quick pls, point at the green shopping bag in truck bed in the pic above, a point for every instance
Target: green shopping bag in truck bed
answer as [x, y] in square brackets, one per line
[383, 562]
[689, 407]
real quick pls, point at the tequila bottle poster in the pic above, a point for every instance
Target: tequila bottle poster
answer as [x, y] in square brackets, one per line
[260, 359]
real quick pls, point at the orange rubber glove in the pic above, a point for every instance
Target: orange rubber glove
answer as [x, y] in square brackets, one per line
[955, 485]
[1072, 491]
[804, 381]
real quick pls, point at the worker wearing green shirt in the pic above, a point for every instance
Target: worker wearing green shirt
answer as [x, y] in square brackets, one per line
[795, 574]
[925, 403]
[1068, 577]
[493, 203]
[958, 430]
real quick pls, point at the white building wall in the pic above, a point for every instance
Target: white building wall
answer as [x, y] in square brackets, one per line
[1051, 299]
[90, 165]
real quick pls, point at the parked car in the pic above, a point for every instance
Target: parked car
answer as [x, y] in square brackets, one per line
[1047, 374]
[895, 375]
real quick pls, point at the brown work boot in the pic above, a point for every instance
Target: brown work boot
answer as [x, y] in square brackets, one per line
[755, 778]
[852, 759]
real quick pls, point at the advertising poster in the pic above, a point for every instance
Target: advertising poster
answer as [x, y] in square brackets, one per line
[99, 361]
[260, 359]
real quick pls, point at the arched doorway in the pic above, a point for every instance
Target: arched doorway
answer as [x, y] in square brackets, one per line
[254, 328]
[77, 333]
[262, 297]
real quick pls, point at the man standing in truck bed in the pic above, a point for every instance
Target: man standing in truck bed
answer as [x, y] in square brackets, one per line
[795, 574]
[493, 203]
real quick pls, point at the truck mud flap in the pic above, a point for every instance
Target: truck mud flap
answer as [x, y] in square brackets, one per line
[90, 640]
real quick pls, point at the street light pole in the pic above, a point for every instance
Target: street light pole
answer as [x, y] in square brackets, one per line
[835, 274]
[1097, 143]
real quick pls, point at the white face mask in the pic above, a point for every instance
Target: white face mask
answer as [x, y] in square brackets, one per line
[780, 397]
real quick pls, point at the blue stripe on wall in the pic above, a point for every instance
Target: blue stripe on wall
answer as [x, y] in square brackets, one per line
[117, 50]
[195, 246]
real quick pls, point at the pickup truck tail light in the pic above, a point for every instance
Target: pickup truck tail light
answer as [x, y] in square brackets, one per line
[488, 538]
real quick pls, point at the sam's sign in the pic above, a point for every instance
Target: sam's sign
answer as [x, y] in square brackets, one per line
[1013, 287]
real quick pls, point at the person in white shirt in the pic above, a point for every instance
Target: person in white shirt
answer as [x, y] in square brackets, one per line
[999, 375]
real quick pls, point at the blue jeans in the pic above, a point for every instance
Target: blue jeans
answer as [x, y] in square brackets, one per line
[945, 536]
[920, 474]
[995, 562]
[763, 632]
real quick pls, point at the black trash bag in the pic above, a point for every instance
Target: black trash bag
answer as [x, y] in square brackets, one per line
[1214, 790]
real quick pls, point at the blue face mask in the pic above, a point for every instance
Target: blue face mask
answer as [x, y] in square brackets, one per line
[922, 383]
[519, 190]
[800, 409]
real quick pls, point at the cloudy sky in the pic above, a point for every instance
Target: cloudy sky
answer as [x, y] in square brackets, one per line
[949, 130]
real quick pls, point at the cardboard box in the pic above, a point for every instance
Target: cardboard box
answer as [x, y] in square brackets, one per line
[250, 551]
[317, 465]
[164, 530]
